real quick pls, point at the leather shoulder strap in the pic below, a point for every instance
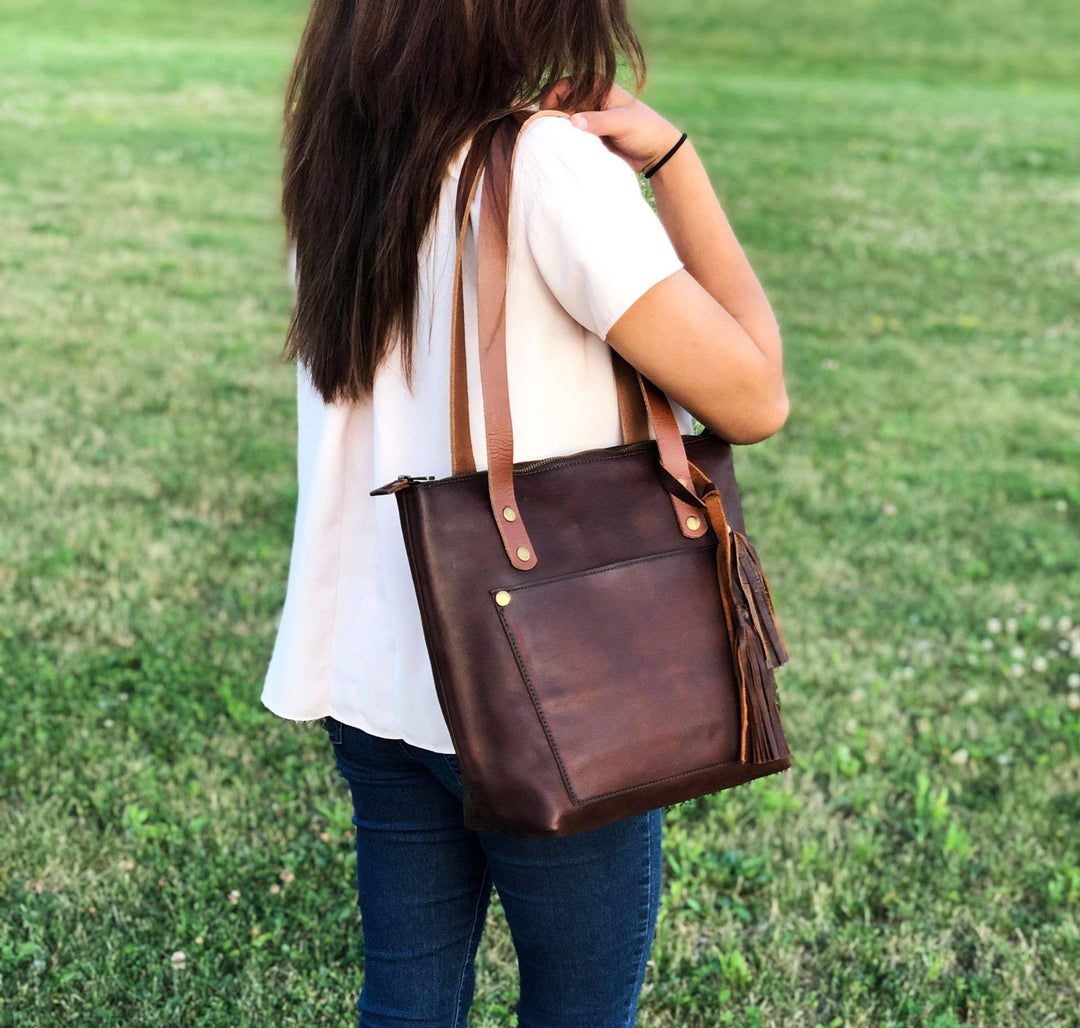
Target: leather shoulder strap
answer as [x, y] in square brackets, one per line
[493, 252]
[461, 449]
[633, 417]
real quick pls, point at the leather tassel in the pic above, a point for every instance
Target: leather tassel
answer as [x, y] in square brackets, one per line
[758, 599]
[757, 644]
[763, 737]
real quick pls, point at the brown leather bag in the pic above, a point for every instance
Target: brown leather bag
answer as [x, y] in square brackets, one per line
[601, 633]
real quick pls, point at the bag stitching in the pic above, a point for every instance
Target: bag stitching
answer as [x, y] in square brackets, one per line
[539, 709]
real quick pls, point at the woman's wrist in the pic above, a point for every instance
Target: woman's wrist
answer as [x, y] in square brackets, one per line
[668, 136]
[657, 163]
[672, 165]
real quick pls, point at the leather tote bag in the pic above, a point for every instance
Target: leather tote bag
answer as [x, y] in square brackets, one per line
[601, 633]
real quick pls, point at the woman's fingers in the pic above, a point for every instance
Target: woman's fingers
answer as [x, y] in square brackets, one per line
[613, 117]
[613, 121]
[625, 125]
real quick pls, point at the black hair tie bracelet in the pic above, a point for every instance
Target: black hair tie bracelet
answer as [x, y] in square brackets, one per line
[667, 157]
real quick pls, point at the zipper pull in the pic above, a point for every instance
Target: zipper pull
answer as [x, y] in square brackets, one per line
[400, 483]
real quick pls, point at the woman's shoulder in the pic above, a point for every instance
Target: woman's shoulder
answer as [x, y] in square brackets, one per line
[553, 153]
[595, 239]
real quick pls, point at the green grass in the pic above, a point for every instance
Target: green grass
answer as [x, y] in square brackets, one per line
[905, 178]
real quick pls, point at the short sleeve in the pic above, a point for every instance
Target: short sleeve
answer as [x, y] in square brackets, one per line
[597, 243]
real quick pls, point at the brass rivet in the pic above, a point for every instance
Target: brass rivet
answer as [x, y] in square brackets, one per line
[523, 552]
[502, 597]
[508, 513]
[693, 523]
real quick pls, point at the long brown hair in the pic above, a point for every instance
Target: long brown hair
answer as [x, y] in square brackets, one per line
[383, 95]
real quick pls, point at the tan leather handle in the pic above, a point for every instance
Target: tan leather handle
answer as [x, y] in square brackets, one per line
[492, 249]
[492, 256]
[461, 451]
[633, 416]
[672, 450]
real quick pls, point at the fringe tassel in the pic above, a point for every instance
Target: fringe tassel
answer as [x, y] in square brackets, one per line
[758, 648]
[763, 737]
[755, 589]
[756, 640]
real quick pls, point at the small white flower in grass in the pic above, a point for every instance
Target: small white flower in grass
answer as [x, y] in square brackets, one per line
[108, 722]
[969, 697]
[987, 644]
[127, 864]
[1011, 624]
[234, 897]
[889, 510]
[1073, 681]
[1064, 624]
[287, 876]
[178, 958]
[1018, 653]
[1061, 506]
[275, 889]
[1046, 623]
[1072, 701]
[960, 756]
[1017, 671]
[1039, 664]
[1064, 644]
[993, 626]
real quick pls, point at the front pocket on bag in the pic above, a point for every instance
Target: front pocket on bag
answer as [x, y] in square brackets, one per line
[629, 668]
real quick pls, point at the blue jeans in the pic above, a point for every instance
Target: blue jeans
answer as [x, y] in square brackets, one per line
[581, 909]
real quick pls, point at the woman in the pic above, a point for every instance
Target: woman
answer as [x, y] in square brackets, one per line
[384, 100]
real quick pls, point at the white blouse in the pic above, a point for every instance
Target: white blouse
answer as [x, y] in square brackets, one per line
[584, 245]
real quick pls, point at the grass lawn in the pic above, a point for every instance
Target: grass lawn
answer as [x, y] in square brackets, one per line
[905, 177]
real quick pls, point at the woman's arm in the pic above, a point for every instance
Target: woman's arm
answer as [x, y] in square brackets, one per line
[706, 335]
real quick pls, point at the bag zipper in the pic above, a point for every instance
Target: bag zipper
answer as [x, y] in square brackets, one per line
[400, 483]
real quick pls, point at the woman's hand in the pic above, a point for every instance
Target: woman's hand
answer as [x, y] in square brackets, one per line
[705, 335]
[627, 127]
